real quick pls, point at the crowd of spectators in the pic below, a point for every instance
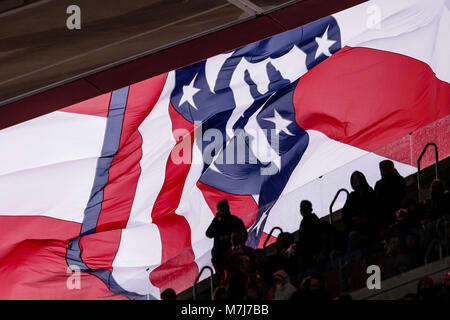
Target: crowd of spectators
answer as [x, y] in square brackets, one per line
[427, 290]
[378, 224]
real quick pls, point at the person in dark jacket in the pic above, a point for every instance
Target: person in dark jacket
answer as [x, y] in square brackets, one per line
[390, 191]
[309, 236]
[358, 213]
[426, 289]
[223, 224]
[438, 204]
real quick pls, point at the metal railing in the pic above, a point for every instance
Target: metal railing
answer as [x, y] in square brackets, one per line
[194, 288]
[420, 159]
[270, 234]
[334, 200]
[6, 8]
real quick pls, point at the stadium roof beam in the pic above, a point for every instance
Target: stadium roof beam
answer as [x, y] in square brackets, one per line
[45, 67]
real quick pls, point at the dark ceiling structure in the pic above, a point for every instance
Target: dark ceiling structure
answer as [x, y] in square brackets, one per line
[44, 66]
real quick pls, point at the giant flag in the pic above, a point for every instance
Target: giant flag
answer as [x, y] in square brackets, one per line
[110, 198]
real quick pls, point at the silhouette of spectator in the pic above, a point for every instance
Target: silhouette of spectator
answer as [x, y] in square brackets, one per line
[238, 245]
[333, 240]
[312, 288]
[438, 204]
[168, 294]
[413, 250]
[284, 289]
[223, 224]
[358, 212]
[237, 287]
[409, 242]
[309, 237]
[239, 257]
[413, 212]
[429, 236]
[244, 284]
[444, 292]
[400, 228]
[283, 258]
[390, 191]
[426, 290]
[396, 259]
[284, 242]
[259, 260]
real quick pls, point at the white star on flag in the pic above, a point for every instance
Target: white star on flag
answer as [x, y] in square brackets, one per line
[189, 93]
[280, 123]
[324, 44]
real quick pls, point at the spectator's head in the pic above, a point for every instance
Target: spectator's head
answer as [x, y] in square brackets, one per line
[412, 241]
[305, 207]
[393, 245]
[280, 278]
[314, 288]
[168, 294]
[220, 294]
[223, 207]
[437, 188]
[447, 280]
[312, 283]
[401, 215]
[284, 240]
[237, 238]
[427, 224]
[358, 181]
[425, 286]
[259, 257]
[316, 283]
[244, 264]
[386, 167]
[410, 205]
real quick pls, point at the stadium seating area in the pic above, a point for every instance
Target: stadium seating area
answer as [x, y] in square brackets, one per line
[415, 233]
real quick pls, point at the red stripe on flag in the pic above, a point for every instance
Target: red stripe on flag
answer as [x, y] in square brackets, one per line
[16, 229]
[98, 106]
[178, 269]
[98, 250]
[33, 261]
[118, 194]
[243, 206]
[368, 98]
[38, 270]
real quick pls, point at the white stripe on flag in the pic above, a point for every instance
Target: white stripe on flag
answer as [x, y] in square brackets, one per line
[157, 143]
[418, 29]
[48, 165]
[141, 239]
[196, 212]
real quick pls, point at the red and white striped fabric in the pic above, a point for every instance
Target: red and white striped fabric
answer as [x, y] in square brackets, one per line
[94, 186]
